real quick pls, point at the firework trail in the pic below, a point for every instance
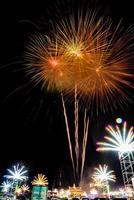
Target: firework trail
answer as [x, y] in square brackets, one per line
[68, 134]
[84, 144]
[78, 166]
[76, 110]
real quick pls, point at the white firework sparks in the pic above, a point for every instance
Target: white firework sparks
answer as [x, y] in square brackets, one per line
[6, 185]
[102, 174]
[121, 141]
[18, 173]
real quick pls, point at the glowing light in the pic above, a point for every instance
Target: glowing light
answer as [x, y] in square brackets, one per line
[18, 173]
[84, 194]
[121, 141]
[62, 193]
[74, 50]
[25, 188]
[55, 191]
[93, 192]
[129, 192]
[40, 179]
[53, 62]
[119, 120]
[6, 185]
[97, 183]
[67, 193]
[102, 174]
[18, 191]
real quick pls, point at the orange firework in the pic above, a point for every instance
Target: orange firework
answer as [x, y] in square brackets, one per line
[46, 64]
[91, 54]
[101, 55]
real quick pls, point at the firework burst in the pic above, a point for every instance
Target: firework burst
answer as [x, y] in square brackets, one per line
[6, 186]
[102, 174]
[40, 179]
[89, 52]
[46, 64]
[18, 173]
[122, 141]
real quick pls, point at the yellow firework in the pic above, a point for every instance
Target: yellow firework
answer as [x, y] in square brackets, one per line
[89, 52]
[40, 179]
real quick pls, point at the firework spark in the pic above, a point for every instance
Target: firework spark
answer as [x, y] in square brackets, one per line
[46, 64]
[102, 174]
[85, 51]
[121, 141]
[18, 173]
[40, 179]
[6, 186]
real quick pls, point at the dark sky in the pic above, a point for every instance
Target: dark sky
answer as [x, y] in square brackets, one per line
[32, 125]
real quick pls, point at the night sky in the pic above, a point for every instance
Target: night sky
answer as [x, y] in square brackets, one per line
[32, 127]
